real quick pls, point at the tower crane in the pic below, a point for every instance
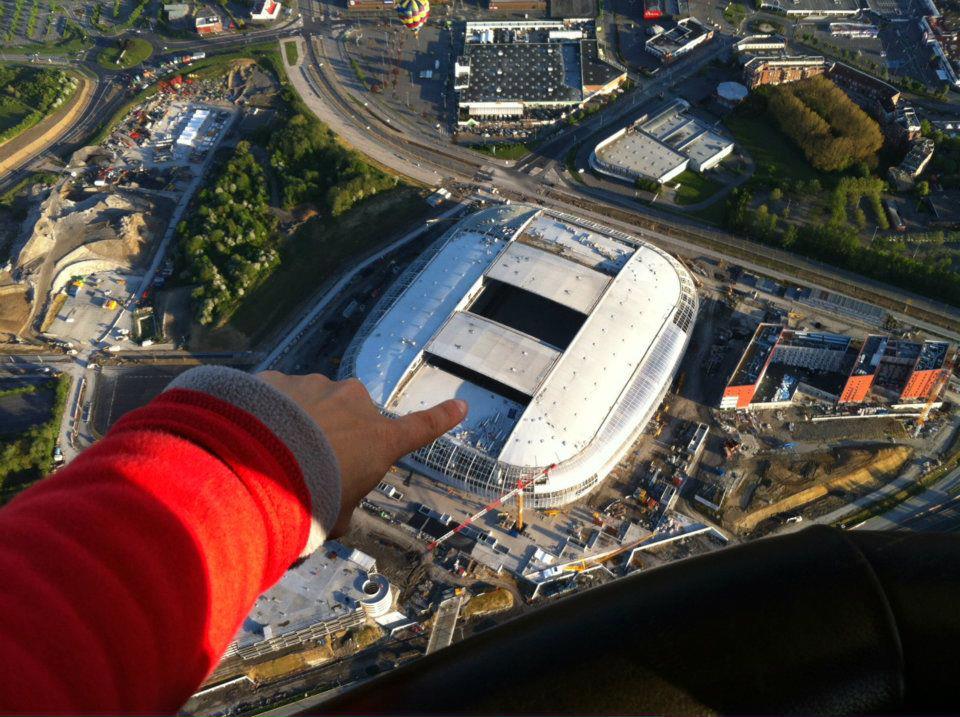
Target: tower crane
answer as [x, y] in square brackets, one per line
[935, 392]
[522, 484]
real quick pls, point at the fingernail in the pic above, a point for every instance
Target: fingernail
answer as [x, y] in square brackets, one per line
[462, 405]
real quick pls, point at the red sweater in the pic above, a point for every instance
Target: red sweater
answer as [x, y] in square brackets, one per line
[124, 577]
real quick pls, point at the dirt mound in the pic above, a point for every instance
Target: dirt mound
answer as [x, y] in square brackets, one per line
[795, 482]
[14, 308]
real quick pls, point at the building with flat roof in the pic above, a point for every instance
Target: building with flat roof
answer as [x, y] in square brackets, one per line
[266, 10]
[530, 71]
[813, 8]
[688, 34]
[661, 146]
[562, 336]
[854, 29]
[761, 43]
[913, 164]
[209, 25]
[778, 363]
[176, 11]
[778, 69]
[333, 589]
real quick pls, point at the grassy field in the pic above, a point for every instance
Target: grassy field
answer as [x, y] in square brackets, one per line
[12, 113]
[770, 148]
[695, 187]
[291, 52]
[320, 249]
[136, 52]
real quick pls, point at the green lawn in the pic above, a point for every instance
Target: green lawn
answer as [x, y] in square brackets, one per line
[137, 50]
[772, 151]
[503, 150]
[12, 113]
[292, 53]
[694, 187]
[320, 249]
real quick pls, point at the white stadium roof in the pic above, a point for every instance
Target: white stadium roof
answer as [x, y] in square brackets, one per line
[550, 276]
[561, 338]
[507, 356]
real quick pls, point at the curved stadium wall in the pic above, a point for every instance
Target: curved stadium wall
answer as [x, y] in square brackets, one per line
[473, 470]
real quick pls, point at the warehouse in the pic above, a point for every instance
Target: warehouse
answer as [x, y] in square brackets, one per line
[530, 71]
[562, 338]
[661, 147]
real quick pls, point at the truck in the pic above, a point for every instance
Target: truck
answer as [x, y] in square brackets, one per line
[716, 470]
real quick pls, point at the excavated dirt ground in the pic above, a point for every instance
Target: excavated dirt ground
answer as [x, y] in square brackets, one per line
[790, 482]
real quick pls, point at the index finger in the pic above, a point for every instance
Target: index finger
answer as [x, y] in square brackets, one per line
[419, 428]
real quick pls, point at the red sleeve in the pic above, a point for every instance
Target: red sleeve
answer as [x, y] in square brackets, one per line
[124, 577]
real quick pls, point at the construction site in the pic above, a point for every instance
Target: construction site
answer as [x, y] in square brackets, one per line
[97, 234]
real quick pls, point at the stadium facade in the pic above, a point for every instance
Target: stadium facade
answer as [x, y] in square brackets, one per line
[563, 337]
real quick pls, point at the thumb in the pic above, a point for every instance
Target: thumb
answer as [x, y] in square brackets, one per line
[419, 428]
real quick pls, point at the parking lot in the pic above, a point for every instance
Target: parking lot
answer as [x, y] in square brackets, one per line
[90, 308]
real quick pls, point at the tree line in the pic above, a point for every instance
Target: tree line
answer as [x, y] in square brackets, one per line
[838, 243]
[831, 131]
[230, 240]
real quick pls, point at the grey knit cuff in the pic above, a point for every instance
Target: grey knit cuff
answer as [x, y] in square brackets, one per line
[291, 425]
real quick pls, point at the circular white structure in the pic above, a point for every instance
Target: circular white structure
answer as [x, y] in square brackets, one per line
[732, 93]
[562, 336]
[377, 598]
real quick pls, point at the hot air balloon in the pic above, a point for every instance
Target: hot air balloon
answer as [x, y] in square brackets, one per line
[413, 13]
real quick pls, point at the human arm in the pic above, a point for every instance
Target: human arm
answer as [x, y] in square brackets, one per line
[127, 573]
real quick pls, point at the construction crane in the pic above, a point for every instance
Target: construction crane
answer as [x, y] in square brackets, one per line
[935, 393]
[518, 491]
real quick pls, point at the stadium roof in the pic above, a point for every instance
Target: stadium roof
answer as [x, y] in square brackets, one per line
[397, 340]
[590, 377]
[561, 338]
[507, 356]
[550, 276]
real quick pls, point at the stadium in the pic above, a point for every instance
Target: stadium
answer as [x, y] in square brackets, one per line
[562, 336]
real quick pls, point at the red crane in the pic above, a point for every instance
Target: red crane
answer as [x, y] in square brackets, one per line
[521, 485]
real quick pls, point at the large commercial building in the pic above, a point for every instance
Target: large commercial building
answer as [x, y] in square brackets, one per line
[780, 363]
[668, 45]
[530, 71]
[813, 8]
[562, 337]
[661, 146]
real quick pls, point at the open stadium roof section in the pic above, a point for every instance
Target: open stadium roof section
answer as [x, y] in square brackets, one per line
[550, 276]
[546, 383]
[505, 355]
[439, 288]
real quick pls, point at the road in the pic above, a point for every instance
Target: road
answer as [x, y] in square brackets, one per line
[322, 78]
[936, 509]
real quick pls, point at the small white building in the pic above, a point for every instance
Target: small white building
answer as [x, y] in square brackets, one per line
[267, 10]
